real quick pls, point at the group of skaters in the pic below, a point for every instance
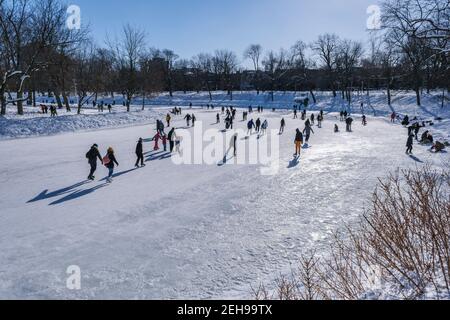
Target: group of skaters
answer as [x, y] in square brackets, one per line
[426, 139]
[101, 106]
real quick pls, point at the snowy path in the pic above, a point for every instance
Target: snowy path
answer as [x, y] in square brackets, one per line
[168, 231]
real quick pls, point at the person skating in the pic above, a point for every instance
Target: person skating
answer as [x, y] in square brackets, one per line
[303, 115]
[405, 121]
[336, 128]
[409, 144]
[264, 127]
[193, 120]
[188, 118]
[172, 139]
[139, 154]
[258, 125]
[341, 114]
[319, 121]
[233, 144]
[393, 117]
[295, 114]
[250, 126]
[349, 122]
[109, 108]
[298, 143]
[282, 126]
[307, 131]
[156, 138]
[217, 118]
[364, 120]
[110, 161]
[92, 155]
[164, 142]
[168, 119]
[312, 119]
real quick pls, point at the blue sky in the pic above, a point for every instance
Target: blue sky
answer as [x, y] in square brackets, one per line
[192, 26]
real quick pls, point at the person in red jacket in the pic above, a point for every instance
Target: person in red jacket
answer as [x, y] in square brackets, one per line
[156, 138]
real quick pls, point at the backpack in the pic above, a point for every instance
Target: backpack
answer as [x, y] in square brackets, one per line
[106, 160]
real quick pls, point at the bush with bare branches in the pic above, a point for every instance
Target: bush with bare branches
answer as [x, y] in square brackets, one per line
[399, 250]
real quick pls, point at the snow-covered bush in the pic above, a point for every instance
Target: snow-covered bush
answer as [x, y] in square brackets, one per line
[399, 250]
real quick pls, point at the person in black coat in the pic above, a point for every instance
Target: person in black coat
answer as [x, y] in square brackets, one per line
[92, 156]
[409, 144]
[139, 154]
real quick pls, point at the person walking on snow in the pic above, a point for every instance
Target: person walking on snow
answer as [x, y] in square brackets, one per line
[264, 127]
[409, 144]
[307, 131]
[92, 156]
[172, 139]
[298, 143]
[110, 161]
[282, 126]
[188, 118]
[250, 126]
[156, 138]
[139, 154]
[258, 125]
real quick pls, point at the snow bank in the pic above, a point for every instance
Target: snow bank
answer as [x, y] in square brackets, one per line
[38, 125]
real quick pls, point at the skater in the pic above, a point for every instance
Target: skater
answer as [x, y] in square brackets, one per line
[168, 119]
[364, 120]
[312, 119]
[342, 116]
[282, 126]
[298, 143]
[264, 127]
[258, 125]
[233, 144]
[307, 131]
[164, 142]
[156, 138]
[109, 108]
[405, 121]
[409, 144]
[303, 115]
[217, 118]
[245, 116]
[92, 155]
[250, 126]
[321, 114]
[349, 122]
[109, 161]
[393, 117]
[319, 121]
[188, 118]
[172, 139]
[193, 120]
[139, 154]
[295, 114]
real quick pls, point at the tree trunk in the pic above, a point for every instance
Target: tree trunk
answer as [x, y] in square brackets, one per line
[19, 102]
[313, 96]
[66, 101]
[389, 94]
[79, 106]
[34, 97]
[417, 89]
[2, 103]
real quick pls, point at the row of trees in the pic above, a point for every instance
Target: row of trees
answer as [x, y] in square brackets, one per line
[39, 54]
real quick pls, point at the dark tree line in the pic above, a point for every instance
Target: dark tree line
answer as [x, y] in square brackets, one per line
[39, 54]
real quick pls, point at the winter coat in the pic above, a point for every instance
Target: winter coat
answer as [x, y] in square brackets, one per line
[410, 141]
[139, 149]
[93, 155]
[112, 161]
[298, 137]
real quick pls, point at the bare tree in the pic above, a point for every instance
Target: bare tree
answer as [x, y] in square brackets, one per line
[170, 58]
[254, 53]
[326, 47]
[127, 53]
[226, 63]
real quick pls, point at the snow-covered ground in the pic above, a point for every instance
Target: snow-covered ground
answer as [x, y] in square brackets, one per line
[185, 231]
